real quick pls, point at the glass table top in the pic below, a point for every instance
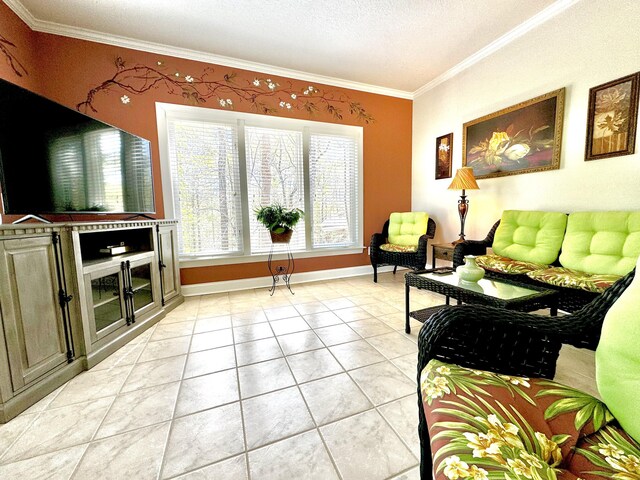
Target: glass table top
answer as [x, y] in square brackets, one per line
[492, 288]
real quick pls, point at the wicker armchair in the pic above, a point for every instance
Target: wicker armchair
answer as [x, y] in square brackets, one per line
[413, 260]
[506, 342]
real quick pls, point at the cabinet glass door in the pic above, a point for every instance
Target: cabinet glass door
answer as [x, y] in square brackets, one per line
[141, 285]
[107, 303]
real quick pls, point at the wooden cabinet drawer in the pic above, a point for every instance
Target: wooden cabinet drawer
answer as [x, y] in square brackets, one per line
[443, 251]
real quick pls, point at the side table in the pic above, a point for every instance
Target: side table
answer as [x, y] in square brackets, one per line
[441, 251]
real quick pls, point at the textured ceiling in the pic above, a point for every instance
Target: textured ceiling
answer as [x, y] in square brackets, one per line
[397, 44]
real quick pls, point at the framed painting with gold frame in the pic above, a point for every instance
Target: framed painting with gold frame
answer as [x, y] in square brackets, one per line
[612, 119]
[444, 148]
[523, 138]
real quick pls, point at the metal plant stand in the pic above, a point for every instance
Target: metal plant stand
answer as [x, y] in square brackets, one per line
[284, 271]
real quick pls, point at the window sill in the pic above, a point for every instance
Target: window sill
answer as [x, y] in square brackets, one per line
[209, 261]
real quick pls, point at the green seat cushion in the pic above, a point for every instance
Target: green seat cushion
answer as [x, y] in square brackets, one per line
[565, 277]
[496, 263]
[618, 359]
[391, 247]
[602, 242]
[407, 228]
[530, 236]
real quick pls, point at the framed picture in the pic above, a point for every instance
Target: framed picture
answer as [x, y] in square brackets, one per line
[523, 138]
[444, 146]
[612, 119]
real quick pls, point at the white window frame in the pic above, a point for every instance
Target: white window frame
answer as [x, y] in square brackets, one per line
[166, 111]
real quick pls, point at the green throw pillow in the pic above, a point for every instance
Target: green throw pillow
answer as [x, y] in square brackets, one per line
[618, 359]
[407, 228]
[530, 236]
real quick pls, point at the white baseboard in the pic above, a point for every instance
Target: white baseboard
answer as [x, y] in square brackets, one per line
[265, 282]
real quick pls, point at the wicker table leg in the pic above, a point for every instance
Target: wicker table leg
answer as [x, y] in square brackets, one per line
[407, 326]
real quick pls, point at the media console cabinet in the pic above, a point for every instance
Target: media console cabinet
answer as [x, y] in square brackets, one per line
[66, 303]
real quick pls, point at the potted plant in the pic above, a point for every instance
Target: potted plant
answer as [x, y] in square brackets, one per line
[279, 221]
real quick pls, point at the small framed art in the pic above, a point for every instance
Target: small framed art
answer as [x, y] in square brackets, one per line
[444, 145]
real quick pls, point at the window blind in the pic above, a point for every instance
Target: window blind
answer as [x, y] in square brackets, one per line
[274, 175]
[206, 185]
[333, 172]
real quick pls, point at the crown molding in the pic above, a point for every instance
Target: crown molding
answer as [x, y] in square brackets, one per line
[200, 56]
[517, 32]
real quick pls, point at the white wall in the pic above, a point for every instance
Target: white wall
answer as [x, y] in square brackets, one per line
[591, 43]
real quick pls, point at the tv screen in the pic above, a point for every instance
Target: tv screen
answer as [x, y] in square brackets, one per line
[56, 160]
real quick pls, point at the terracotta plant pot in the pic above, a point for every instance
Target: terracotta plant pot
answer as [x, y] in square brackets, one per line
[283, 237]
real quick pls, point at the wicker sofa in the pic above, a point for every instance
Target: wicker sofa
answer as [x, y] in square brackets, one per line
[483, 416]
[580, 254]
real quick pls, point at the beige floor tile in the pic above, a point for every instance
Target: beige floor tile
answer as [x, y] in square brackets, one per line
[336, 334]
[140, 408]
[356, 441]
[380, 309]
[203, 438]
[208, 340]
[165, 348]
[248, 318]
[127, 355]
[303, 456]
[136, 454]
[91, 385]
[10, 431]
[264, 377]
[210, 361]
[313, 365]
[411, 474]
[57, 465]
[212, 323]
[382, 382]
[171, 330]
[59, 428]
[338, 303]
[370, 327]
[274, 416]
[249, 333]
[207, 391]
[402, 415]
[156, 372]
[232, 469]
[393, 345]
[363, 299]
[281, 312]
[311, 307]
[258, 351]
[42, 404]
[334, 398]
[408, 364]
[322, 319]
[351, 314]
[299, 342]
[289, 325]
[356, 354]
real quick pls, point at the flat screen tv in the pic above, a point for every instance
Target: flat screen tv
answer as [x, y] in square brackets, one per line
[56, 160]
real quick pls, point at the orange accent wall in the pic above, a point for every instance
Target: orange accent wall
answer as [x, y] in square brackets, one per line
[65, 70]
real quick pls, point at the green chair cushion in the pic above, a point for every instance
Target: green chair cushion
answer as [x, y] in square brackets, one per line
[391, 247]
[602, 242]
[407, 228]
[618, 359]
[496, 263]
[565, 277]
[530, 236]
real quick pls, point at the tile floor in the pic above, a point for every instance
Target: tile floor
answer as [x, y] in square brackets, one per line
[316, 385]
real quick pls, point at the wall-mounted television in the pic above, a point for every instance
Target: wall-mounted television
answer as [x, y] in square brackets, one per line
[56, 160]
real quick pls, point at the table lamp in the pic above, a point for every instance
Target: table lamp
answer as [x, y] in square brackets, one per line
[464, 180]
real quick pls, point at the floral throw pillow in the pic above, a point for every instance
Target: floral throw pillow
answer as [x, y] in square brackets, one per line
[565, 277]
[392, 247]
[500, 264]
[484, 425]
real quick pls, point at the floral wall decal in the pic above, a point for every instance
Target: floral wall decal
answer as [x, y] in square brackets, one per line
[263, 94]
[12, 61]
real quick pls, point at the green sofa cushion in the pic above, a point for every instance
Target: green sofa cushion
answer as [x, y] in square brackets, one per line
[530, 236]
[407, 228]
[602, 242]
[618, 359]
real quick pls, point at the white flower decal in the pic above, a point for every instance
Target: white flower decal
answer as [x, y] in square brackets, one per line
[189, 78]
[271, 85]
[223, 103]
[306, 92]
[281, 104]
[125, 99]
[294, 96]
[256, 82]
[177, 74]
[289, 106]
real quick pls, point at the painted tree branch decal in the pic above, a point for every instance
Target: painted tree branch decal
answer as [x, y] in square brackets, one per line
[11, 59]
[263, 94]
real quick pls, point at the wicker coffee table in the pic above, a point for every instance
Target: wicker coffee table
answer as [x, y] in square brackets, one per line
[497, 293]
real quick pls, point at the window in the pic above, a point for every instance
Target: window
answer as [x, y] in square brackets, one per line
[223, 165]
